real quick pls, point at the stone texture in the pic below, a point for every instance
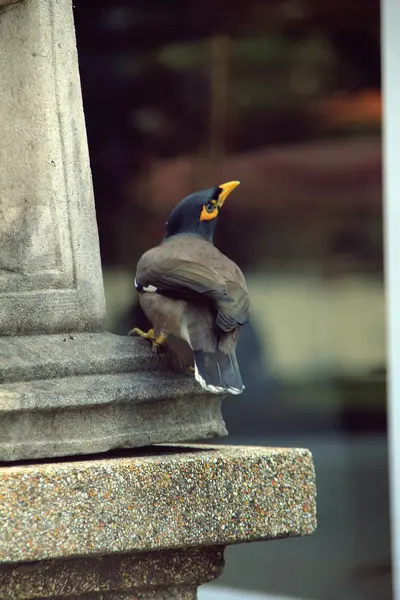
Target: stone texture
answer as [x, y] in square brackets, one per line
[28, 358]
[86, 393]
[50, 276]
[171, 497]
[95, 414]
[5, 2]
[165, 575]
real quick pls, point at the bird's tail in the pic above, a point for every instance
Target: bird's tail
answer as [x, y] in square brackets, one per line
[218, 371]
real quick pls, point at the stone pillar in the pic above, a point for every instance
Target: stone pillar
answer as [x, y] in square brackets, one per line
[134, 524]
[50, 274]
[66, 386]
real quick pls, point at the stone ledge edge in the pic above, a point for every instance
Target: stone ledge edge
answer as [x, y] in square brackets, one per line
[189, 496]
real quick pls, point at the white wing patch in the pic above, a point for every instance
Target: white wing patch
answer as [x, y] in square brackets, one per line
[149, 288]
[145, 288]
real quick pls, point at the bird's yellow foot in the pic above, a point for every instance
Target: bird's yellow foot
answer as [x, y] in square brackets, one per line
[147, 336]
[190, 368]
[159, 341]
[156, 341]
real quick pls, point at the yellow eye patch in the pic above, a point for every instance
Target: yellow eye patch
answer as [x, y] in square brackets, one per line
[209, 212]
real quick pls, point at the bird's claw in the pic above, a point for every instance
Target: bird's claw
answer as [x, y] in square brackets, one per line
[147, 336]
[156, 341]
[155, 347]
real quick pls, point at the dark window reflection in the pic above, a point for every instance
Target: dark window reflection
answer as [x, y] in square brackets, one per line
[286, 97]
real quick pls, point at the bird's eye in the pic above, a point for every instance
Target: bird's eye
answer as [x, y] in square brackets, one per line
[209, 212]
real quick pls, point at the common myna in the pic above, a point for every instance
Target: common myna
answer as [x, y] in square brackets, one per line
[189, 289]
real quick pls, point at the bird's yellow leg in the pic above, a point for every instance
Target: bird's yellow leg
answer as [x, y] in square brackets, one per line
[157, 341]
[147, 336]
[160, 339]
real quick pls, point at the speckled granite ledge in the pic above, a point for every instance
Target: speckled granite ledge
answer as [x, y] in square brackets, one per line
[165, 575]
[178, 497]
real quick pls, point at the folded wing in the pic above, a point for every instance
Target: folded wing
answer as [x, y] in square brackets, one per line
[188, 280]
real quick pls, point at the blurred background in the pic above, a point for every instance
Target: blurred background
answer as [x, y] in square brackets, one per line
[286, 97]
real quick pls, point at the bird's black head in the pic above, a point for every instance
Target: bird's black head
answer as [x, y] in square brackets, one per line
[198, 213]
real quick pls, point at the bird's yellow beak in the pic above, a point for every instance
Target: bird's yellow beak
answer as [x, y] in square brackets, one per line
[226, 188]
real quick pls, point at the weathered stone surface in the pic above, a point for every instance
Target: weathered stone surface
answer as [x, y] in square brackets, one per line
[50, 277]
[86, 393]
[171, 497]
[5, 2]
[28, 358]
[165, 575]
[94, 414]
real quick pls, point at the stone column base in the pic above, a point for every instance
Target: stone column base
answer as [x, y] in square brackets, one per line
[164, 575]
[66, 394]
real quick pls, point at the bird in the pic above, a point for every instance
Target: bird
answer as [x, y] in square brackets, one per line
[189, 289]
